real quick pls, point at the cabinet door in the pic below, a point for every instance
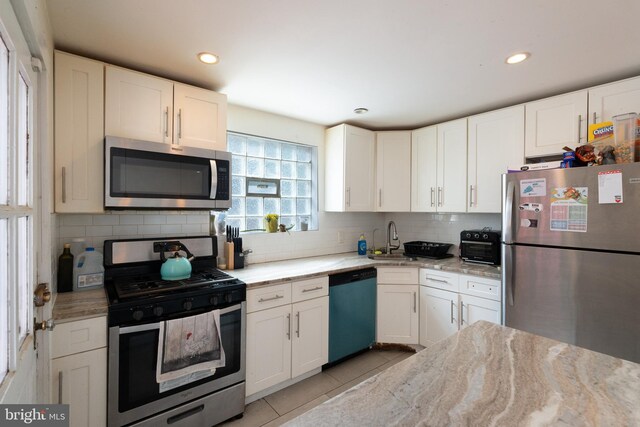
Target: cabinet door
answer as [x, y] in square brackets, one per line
[555, 122]
[496, 140]
[80, 380]
[200, 117]
[310, 336]
[79, 134]
[359, 169]
[613, 99]
[452, 166]
[398, 317]
[473, 309]
[138, 106]
[438, 314]
[424, 148]
[393, 166]
[268, 348]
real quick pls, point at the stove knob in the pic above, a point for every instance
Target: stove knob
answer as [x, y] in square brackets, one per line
[476, 236]
[138, 314]
[157, 310]
[214, 300]
[468, 235]
[228, 297]
[485, 236]
[187, 305]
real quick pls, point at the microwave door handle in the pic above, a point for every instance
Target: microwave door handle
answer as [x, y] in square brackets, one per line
[214, 179]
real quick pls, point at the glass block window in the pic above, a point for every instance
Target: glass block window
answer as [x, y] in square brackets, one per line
[272, 177]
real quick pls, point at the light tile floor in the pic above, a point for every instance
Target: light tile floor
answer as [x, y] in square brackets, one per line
[288, 403]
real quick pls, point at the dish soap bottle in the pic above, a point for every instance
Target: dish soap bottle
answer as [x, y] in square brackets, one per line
[362, 245]
[65, 270]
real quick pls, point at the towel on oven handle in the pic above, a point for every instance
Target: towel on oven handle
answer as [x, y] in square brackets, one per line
[189, 345]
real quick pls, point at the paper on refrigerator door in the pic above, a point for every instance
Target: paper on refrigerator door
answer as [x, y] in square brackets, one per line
[610, 187]
[569, 209]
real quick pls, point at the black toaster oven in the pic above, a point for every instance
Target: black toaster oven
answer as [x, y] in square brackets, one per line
[480, 246]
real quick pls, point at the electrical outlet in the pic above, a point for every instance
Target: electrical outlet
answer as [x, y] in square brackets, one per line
[340, 236]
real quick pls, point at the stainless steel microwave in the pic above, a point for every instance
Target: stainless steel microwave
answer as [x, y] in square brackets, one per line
[151, 175]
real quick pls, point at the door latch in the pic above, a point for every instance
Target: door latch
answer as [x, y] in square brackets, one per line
[41, 295]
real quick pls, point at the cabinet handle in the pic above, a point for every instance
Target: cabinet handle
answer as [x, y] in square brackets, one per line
[380, 197]
[166, 122]
[348, 197]
[471, 196]
[289, 327]
[312, 289]
[64, 184]
[60, 387]
[415, 302]
[452, 312]
[595, 118]
[440, 196]
[433, 192]
[461, 313]
[298, 324]
[271, 299]
[579, 127]
[179, 124]
[437, 280]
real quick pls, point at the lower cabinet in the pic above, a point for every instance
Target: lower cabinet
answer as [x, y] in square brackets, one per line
[79, 370]
[290, 339]
[398, 314]
[448, 305]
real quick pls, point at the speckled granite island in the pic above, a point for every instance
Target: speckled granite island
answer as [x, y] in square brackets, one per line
[491, 375]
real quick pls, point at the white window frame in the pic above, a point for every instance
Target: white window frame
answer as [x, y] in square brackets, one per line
[19, 327]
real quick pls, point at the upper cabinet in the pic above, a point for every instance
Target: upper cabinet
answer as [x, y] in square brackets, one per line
[79, 134]
[438, 167]
[613, 99]
[555, 122]
[393, 172]
[496, 140]
[349, 173]
[149, 108]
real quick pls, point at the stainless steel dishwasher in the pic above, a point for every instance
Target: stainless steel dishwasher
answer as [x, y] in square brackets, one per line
[352, 312]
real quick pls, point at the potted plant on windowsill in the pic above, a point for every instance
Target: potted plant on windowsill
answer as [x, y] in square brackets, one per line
[271, 223]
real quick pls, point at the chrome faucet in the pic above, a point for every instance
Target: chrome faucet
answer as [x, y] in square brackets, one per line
[390, 237]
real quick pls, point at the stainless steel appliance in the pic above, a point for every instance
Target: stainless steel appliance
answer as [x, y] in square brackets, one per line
[571, 256]
[139, 302]
[480, 246]
[151, 175]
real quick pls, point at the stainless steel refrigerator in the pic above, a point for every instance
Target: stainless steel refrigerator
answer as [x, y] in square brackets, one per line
[571, 256]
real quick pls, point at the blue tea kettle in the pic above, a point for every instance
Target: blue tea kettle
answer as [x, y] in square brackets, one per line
[176, 267]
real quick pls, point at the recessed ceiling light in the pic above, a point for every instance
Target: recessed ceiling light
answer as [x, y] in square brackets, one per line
[517, 58]
[208, 58]
[361, 110]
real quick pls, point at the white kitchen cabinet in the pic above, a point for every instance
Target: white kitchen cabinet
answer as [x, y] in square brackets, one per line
[451, 301]
[200, 117]
[349, 169]
[496, 140]
[616, 98]
[138, 106]
[553, 123]
[398, 316]
[424, 170]
[451, 193]
[79, 134]
[149, 108]
[286, 340]
[393, 171]
[79, 370]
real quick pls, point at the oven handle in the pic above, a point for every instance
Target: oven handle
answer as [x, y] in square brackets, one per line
[185, 414]
[214, 179]
[151, 326]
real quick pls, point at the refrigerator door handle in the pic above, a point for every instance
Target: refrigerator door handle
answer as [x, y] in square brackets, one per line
[507, 217]
[510, 274]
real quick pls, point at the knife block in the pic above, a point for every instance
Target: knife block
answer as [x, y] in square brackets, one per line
[238, 260]
[229, 255]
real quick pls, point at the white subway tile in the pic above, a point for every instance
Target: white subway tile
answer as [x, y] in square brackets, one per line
[72, 231]
[155, 219]
[131, 219]
[176, 219]
[99, 230]
[191, 228]
[149, 229]
[198, 219]
[77, 219]
[106, 220]
[125, 230]
[171, 229]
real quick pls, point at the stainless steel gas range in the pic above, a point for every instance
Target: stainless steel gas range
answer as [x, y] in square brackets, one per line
[140, 305]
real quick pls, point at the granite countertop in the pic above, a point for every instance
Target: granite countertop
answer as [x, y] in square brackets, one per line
[269, 273]
[70, 306]
[491, 375]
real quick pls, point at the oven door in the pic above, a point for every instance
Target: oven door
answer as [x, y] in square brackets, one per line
[140, 174]
[480, 252]
[134, 393]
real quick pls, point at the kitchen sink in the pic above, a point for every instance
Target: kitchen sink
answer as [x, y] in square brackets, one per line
[391, 257]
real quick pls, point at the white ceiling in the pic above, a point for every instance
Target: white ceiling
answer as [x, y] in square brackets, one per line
[410, 62]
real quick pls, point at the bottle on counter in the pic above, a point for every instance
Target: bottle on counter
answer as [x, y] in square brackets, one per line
[88, 271]
[362, 245]
[65, 270]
